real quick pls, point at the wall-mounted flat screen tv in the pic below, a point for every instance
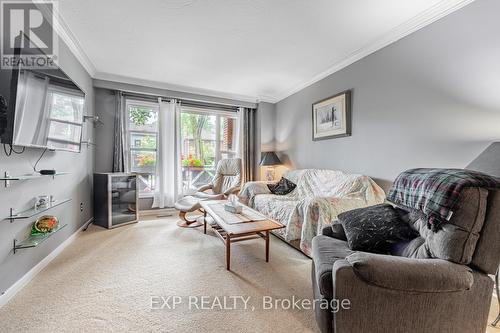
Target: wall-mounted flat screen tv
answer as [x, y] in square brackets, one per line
[41, 108]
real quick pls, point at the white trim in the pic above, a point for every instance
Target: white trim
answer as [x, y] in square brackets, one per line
[157, 212]
[73, 44]
[64, 32]
[174, 87]
[22, 282]
[180, 88]
[418, 22]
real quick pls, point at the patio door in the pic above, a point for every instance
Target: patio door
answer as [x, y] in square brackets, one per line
[207, 136]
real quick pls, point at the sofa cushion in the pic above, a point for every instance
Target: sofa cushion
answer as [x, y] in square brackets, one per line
[374, 229]
[325, 251]
[456, 240]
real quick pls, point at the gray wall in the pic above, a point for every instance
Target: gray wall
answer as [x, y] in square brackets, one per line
[264, 132]
[429, 100]
[77, 186]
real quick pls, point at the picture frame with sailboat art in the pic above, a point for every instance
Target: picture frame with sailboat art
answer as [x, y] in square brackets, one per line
[331, 117]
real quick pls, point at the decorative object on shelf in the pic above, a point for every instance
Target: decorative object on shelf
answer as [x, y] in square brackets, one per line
[35, 240]
[48, 172]
[271, 160]
[7, 178]
[42, 202]
[331, 117]
[33, 211]
[44, 224]
[233, 204]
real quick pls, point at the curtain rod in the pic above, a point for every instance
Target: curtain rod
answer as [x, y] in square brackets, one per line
[186, 102]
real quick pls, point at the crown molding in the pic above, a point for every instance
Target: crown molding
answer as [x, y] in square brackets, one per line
[177, 88]
[65, 33]
[416, 23]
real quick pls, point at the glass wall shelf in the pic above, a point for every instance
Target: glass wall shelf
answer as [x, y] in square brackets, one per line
[7, 178]
[35, 240]
[33, 211]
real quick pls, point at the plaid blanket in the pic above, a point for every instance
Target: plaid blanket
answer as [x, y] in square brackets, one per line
[435, 192]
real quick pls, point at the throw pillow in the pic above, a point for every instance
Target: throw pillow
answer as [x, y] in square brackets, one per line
[375, 229]
[284, 186]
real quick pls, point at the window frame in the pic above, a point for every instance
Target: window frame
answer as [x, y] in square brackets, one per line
[128, 137]
[218, 114]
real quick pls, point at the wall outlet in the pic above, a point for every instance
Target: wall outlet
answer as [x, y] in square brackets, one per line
[81, 206]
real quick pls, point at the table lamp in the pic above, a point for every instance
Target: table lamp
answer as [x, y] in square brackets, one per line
[270, 160]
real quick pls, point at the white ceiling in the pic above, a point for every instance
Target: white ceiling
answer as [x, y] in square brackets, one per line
[245, 49]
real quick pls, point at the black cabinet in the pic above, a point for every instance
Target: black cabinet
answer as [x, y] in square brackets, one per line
[115, 199]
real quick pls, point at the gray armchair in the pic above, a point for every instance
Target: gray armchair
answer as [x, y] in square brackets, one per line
[437, 282]
[227, 180]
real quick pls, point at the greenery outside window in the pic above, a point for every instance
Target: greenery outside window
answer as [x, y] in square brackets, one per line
[142, 136]
[207, 136]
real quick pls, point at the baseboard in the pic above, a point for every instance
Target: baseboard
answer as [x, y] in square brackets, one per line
[157, 212]
[22, 282]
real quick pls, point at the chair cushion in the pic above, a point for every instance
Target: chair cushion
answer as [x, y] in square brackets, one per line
[374, 229]
[456, 240]
[188, 204]
[325, 251]
[208, 196]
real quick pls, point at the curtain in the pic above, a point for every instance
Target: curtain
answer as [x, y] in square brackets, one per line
[246, 144]
[168, 169]
[120, 152]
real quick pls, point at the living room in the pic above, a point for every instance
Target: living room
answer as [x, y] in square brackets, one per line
[347, 154]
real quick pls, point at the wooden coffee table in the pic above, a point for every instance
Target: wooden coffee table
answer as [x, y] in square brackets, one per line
[237, 232]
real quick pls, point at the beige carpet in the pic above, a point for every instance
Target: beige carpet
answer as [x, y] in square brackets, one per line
[104, 281]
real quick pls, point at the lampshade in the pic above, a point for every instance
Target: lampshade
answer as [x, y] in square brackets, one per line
[270, 158]
[488, 161]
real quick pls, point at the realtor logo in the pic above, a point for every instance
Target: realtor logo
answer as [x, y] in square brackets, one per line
[27, 36]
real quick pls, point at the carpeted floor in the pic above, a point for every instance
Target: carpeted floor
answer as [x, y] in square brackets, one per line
[112, 281]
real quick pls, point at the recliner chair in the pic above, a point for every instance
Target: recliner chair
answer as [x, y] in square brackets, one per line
[227, 180]
[437, 282]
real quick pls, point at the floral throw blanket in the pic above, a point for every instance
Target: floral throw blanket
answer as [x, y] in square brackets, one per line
[317, 200]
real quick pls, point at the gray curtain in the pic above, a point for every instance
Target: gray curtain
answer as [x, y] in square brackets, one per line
[247, 136]
[119, 134]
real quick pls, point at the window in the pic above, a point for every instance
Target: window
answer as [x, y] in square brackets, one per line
[142, 135]
[207, 136]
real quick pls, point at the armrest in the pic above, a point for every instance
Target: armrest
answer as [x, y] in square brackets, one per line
[411, 275]
[251, 189]
[203, 188]
[232, 190]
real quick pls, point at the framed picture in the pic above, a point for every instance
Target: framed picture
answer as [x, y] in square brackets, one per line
[331, 117]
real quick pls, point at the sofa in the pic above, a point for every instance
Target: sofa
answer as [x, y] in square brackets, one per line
[319, 196]
[434, 283]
